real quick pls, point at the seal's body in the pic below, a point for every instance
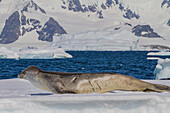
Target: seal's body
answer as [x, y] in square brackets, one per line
[79, 83]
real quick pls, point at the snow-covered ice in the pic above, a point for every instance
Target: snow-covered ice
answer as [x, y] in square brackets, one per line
[20, 96]
[33, 53]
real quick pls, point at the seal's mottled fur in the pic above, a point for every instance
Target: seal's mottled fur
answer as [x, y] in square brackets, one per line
[61, 82]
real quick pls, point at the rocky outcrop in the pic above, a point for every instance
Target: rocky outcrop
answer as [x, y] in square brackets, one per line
[166, 2]
[168, 23]
[47, 31]
[128, 24]
[33, 5]
[50, 28]
[34, 24]
[76, 6]
[129, 14]
[11, 30]
[30, 24]
[145, 31]
[18, 24]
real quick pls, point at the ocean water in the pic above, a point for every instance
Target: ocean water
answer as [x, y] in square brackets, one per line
[133, 63]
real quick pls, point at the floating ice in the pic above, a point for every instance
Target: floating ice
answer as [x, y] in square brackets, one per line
[162, 70]
[33, 53]
[43, 53]
[162, 53]
[20, 96]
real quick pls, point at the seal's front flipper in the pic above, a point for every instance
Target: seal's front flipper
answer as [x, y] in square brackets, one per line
[59, 87]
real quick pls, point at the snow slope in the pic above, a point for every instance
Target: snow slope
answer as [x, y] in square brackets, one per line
[18, 95]
[146, 22]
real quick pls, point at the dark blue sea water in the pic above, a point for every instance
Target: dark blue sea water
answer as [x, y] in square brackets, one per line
[133, 63]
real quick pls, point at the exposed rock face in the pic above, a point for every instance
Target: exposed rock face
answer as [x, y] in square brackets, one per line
[50, 28]
[11, 31]
[76, 6]
[145, 31]
[30, 24]
[128, 24]
[129, 15]
[35, 24]
[100, 15]
[166, 2]
[33, 5]
[168, 23]
[18, 24]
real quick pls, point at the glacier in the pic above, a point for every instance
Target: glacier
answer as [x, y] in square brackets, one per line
[97, 40]
[109, 39]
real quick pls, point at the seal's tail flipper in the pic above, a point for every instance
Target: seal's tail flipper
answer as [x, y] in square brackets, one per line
[158, 88]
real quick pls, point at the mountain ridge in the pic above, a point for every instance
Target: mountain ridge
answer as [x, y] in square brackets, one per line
[79, 16]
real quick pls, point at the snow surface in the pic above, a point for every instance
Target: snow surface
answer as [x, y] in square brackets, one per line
[33, 53]
[20, 96]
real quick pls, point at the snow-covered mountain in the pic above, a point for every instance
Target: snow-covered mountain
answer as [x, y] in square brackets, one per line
[86, 24]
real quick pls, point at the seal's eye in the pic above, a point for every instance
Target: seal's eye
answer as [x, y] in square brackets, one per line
[24, 72]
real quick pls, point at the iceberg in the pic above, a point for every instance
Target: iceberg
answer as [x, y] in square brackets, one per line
[33, 53]
[43, 53]
[2, 56]
[162, 70]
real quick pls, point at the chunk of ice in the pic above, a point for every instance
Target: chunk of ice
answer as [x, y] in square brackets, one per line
[162, 70]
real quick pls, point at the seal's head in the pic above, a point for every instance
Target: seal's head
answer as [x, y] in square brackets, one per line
[29, 72]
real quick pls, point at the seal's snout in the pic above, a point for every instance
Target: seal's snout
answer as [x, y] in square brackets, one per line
[21, 75]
